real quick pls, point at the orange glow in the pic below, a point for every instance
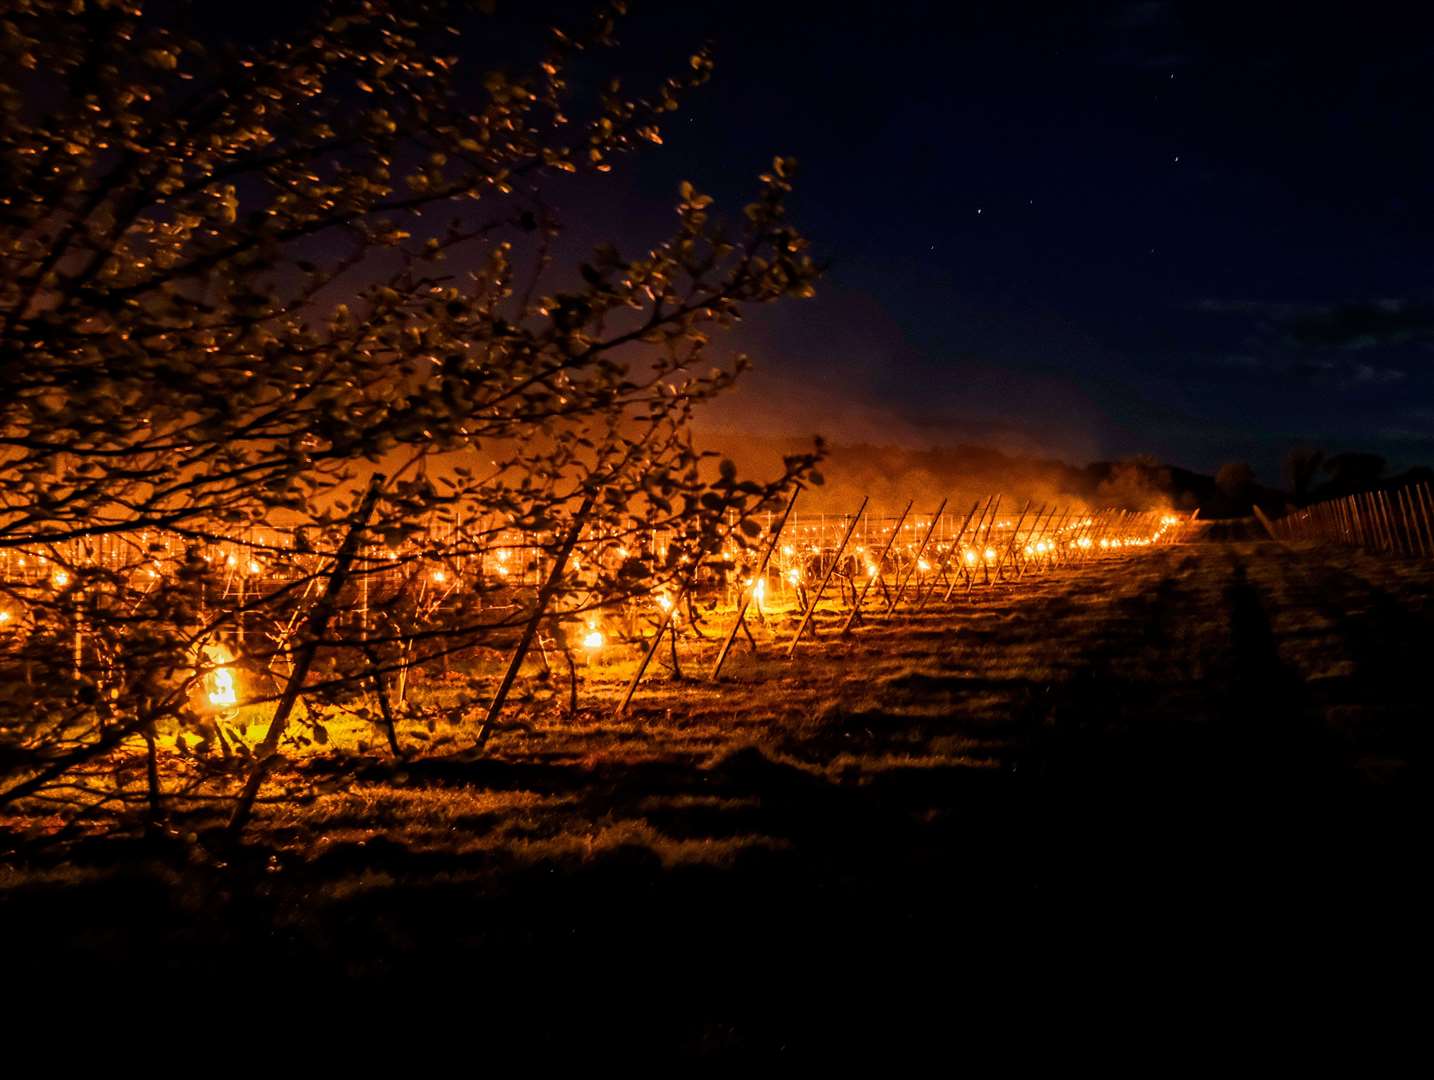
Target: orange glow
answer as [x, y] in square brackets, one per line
[223, 696]
[223, 690]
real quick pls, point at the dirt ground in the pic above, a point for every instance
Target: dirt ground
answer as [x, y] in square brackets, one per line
[1193, 768]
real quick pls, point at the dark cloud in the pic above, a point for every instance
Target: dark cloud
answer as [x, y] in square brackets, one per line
[1370, 374]
[1371, 325]
[1307, 341]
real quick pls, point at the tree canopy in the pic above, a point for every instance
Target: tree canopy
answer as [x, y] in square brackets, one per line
[260, 302]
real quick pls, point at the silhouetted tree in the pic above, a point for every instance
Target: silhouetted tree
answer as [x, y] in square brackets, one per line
[1302, 466]
[301, 301]
[1352, 472]
[1236, 482]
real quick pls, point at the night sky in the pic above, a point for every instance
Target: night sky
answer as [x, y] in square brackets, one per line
[1196, 231]
[1199, 231]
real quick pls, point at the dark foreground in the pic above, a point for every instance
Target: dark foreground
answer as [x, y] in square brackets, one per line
[1181, 788]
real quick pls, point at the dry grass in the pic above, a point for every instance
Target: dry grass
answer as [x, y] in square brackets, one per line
[1200, 723]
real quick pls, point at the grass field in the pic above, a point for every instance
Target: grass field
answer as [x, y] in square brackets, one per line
[1148, 771]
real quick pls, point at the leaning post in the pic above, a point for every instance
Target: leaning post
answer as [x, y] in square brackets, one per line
[746, 594]
[817, 596]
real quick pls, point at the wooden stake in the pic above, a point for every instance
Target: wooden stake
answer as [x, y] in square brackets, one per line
[966, 571]
[1015, 535]
[545, 596]
[314, 629]
[1421, 491]
[1037, 537]
[866, 586]
[831, 569]
[901, 588]
[955, 549]
[652, 651]
[1269, 528]
[746, 594]
[983, 543]
[1414, 539]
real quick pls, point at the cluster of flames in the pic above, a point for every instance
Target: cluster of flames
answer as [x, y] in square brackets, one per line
[517, 565]
[785, 579]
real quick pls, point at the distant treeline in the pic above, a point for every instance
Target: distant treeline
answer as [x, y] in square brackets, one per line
[892, 475]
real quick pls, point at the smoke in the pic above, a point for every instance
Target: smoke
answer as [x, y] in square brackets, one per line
[891, 476]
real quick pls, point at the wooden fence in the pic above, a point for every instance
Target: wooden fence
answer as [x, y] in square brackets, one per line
[1397, 522]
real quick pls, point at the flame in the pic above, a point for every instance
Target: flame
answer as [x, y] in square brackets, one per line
[794, 575]
[593, 639]
[223, 696]
[223, 691]
[439, 577]
[60, 578]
